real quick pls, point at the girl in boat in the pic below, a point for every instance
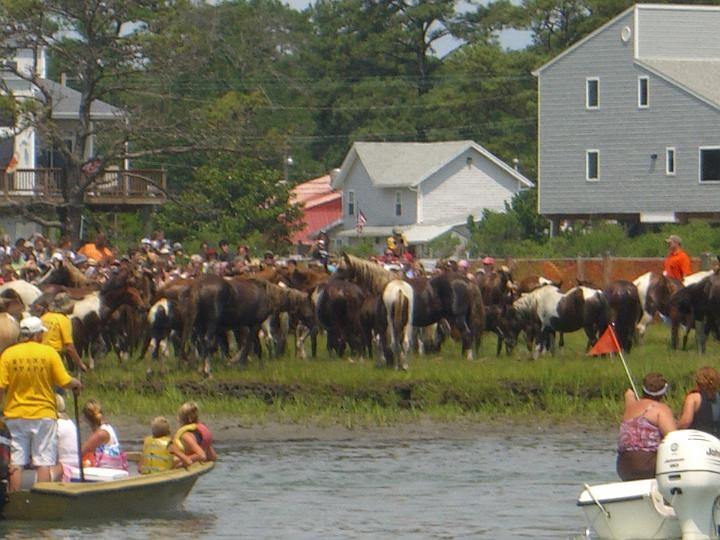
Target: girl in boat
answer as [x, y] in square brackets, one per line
[193, 441]
[645, 422]
[701, 409]
[102, 449]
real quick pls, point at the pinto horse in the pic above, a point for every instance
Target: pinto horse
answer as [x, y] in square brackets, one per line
[395, 307]
[580, 307]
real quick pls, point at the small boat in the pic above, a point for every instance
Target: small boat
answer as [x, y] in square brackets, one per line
[682, 501]
[142, 495]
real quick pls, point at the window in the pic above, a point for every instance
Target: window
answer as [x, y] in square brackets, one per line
[670, 161]
[710, 164]
[592, 165]
[351, 203]
[592, 93]
[643, 92]
[398, 203]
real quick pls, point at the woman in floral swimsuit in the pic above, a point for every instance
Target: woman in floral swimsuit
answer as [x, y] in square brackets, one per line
[645, 422]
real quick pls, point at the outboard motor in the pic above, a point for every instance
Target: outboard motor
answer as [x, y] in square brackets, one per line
[688, 476]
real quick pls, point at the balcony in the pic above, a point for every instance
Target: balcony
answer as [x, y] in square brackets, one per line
[137, 187]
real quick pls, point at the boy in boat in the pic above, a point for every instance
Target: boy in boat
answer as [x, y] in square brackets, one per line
[193, 441]
[155, 455]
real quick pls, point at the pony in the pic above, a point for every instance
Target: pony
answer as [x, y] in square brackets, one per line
[654, 292]
[580, 307]
[396, 306]
[625, 310]
[26, 290]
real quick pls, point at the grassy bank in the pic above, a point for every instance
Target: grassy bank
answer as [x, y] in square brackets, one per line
[569, 387]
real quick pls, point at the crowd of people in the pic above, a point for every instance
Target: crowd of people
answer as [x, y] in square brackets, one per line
[32, 381]
[646, 420]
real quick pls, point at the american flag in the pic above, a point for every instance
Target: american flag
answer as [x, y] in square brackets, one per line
[360, 222]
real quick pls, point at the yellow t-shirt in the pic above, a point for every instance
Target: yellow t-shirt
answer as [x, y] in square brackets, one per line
[28, 371]
[59, 330]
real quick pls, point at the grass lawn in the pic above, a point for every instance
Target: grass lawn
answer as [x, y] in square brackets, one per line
[569, 387]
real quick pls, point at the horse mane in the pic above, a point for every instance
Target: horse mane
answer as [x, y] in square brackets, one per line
[368, 273]
[77, 278]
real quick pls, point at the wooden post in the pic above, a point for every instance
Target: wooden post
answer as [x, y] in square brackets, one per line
[607, 269]
[580, 270]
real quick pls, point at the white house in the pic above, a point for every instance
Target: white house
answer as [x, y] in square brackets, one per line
[31, 169]
[425, 189]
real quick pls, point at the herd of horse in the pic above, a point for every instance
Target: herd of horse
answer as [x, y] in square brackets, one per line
[364, 309]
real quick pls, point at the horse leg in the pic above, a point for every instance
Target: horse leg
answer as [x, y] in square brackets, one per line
[700, 335]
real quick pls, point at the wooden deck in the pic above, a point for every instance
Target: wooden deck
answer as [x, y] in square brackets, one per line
[137, 187]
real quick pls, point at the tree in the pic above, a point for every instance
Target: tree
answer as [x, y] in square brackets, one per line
[114, 51]
[223, 206]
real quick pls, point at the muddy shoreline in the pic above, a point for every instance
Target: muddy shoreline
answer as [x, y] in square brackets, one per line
[227, 430]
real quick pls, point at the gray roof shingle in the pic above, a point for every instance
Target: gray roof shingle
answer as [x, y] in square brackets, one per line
[701, 77]
[66, 103]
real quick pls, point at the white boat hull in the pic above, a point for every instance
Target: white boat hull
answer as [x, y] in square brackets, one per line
[629, 511]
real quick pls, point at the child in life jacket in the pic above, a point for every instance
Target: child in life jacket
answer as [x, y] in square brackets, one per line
[156, 456]
[193, 441]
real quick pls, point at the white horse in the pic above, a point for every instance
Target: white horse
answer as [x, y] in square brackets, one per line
[26, 290]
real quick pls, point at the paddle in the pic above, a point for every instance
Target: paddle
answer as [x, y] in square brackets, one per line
[79, 445]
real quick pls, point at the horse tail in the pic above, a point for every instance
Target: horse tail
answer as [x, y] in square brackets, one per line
[400, 307]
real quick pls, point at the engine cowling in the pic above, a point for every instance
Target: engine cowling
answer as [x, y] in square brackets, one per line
[688, 476]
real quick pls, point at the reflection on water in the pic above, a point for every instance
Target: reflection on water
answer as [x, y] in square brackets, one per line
[519, 485]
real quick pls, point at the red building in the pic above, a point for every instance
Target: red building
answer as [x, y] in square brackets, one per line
[322, 208]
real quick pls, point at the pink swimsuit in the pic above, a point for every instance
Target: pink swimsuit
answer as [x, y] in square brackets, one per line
[639, 434]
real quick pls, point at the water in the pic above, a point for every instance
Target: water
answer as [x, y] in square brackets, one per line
[508, 486]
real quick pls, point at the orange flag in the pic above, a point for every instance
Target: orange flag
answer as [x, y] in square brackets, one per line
[12, 166]
[608, 343]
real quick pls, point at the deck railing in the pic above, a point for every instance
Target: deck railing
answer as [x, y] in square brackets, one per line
[114, 187]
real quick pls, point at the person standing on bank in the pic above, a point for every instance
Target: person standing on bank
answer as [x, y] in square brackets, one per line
[677, 262]
[59, 334]
[28, 372]
[701, 409]
[645, 422]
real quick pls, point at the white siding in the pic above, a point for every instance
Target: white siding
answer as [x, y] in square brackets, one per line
[459, 189]
[378, 204]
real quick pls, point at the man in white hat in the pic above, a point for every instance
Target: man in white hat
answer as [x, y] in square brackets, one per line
[28, 372]
[59, 333]
[677, 262]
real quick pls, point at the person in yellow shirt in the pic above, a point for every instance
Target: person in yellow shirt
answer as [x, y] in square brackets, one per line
[28, 372]
[59, 329]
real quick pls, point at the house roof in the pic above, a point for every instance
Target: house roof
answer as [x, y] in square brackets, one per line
[315, 192]
[415, 234]
[408, 164]
[66, 103]
[699, 77]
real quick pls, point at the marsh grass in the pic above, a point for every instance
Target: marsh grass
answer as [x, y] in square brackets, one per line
[570, 387]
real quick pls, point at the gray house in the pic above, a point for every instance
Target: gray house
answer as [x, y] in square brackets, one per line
[425, 189]
[629, 119]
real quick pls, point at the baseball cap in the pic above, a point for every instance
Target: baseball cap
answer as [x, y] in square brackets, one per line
[674, 238]
[32, 325]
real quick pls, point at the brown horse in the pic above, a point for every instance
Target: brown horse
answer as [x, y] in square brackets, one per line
[625, 310]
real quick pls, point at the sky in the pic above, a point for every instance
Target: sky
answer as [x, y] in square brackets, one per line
[509, 39]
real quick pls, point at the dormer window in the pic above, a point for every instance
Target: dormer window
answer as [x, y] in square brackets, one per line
[592, 93]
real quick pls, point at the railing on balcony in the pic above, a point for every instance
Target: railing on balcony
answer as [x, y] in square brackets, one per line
[113, 187]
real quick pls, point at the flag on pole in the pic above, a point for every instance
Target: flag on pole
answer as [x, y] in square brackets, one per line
[608, 343]
[360, 221]
[12, 165]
